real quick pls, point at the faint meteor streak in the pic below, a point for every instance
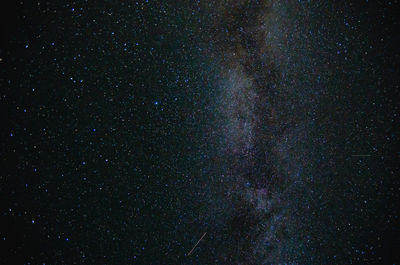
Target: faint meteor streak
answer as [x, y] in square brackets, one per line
[360, 155]
[190, 252]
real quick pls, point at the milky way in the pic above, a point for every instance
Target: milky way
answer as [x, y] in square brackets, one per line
[262, 127]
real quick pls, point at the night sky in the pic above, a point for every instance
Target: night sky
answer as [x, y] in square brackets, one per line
[199, 132]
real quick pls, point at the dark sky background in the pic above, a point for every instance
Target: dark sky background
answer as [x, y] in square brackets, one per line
[132, 128]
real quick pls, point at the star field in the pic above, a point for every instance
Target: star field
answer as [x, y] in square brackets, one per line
[199, 132]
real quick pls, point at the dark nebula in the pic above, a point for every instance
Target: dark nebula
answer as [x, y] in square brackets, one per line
[200, 132]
